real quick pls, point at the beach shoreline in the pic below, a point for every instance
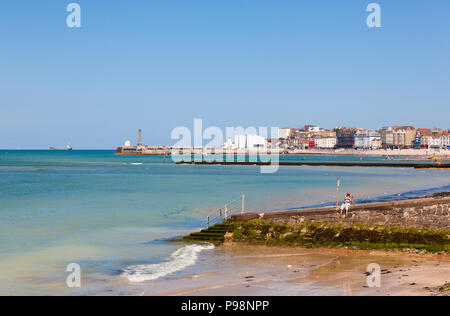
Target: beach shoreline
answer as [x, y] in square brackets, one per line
[281, 267]
[272, 271]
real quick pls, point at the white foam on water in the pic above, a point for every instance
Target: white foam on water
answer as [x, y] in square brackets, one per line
[178, 261]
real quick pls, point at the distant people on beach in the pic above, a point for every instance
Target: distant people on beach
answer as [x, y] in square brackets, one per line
[348, 202]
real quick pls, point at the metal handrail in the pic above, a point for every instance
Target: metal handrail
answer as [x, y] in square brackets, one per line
[227, 211]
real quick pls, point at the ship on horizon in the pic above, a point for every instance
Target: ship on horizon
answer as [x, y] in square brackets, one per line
[67, 148]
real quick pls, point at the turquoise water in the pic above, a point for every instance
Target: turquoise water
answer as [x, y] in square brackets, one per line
[109, 213]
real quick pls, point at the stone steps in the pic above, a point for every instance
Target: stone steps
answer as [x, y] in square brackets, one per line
[214, 233]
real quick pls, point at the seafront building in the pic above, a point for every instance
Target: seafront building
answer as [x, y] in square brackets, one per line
[387, 137]
[435, 138]
[404, 136]
[283, 133]
[308, 137]
[430, 141]
[418, 140]
[367, 140]
[247, 141]
[345, 138]
[324, 142]
[446, 140]
[398, 136]
[312, 128]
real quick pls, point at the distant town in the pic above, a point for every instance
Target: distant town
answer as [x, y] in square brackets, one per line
[315, 138]
[391, 137]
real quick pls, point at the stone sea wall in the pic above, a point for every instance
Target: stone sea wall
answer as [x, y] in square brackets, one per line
[421, 224]
[433, 216]
[431, 212]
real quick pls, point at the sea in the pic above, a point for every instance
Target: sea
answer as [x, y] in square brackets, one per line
[119, 218]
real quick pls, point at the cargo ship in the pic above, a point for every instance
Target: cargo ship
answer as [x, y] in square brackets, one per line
[67, 148]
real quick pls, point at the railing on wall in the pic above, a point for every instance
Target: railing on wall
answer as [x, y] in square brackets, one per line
[234, 207]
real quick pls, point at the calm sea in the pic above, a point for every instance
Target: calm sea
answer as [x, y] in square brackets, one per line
[116, 216]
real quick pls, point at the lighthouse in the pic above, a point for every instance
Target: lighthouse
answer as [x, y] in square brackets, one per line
[140, 138]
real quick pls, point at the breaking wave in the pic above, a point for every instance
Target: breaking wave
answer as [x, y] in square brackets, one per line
[178, 261]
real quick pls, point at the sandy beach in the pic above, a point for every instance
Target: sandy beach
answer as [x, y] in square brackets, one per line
[247, 270]
[250, 265]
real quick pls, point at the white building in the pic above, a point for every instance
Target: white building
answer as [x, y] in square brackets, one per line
[312, 128]
[245, 142]
[399, 137]
[387, 136]
[255, 141]
[435, 141]
[284, 133]
[367, 140]
[376, 143]
[228, 144]
[240, 141]
[325, 142]
[431, 141]
[446, 140]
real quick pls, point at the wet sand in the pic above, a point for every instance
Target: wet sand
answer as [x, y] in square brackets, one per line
[241, 270]
[401, 274]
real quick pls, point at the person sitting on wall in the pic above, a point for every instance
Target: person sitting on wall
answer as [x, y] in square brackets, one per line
[348, 202]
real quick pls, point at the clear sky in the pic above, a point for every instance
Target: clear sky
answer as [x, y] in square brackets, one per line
[158, 64]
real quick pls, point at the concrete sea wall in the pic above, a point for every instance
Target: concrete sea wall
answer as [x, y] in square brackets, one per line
[431, 212]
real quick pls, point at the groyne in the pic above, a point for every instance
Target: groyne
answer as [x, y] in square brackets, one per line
[417, 224]
[427, 212]
[330, 164]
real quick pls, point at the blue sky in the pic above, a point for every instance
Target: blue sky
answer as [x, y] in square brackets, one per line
[159, 64]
